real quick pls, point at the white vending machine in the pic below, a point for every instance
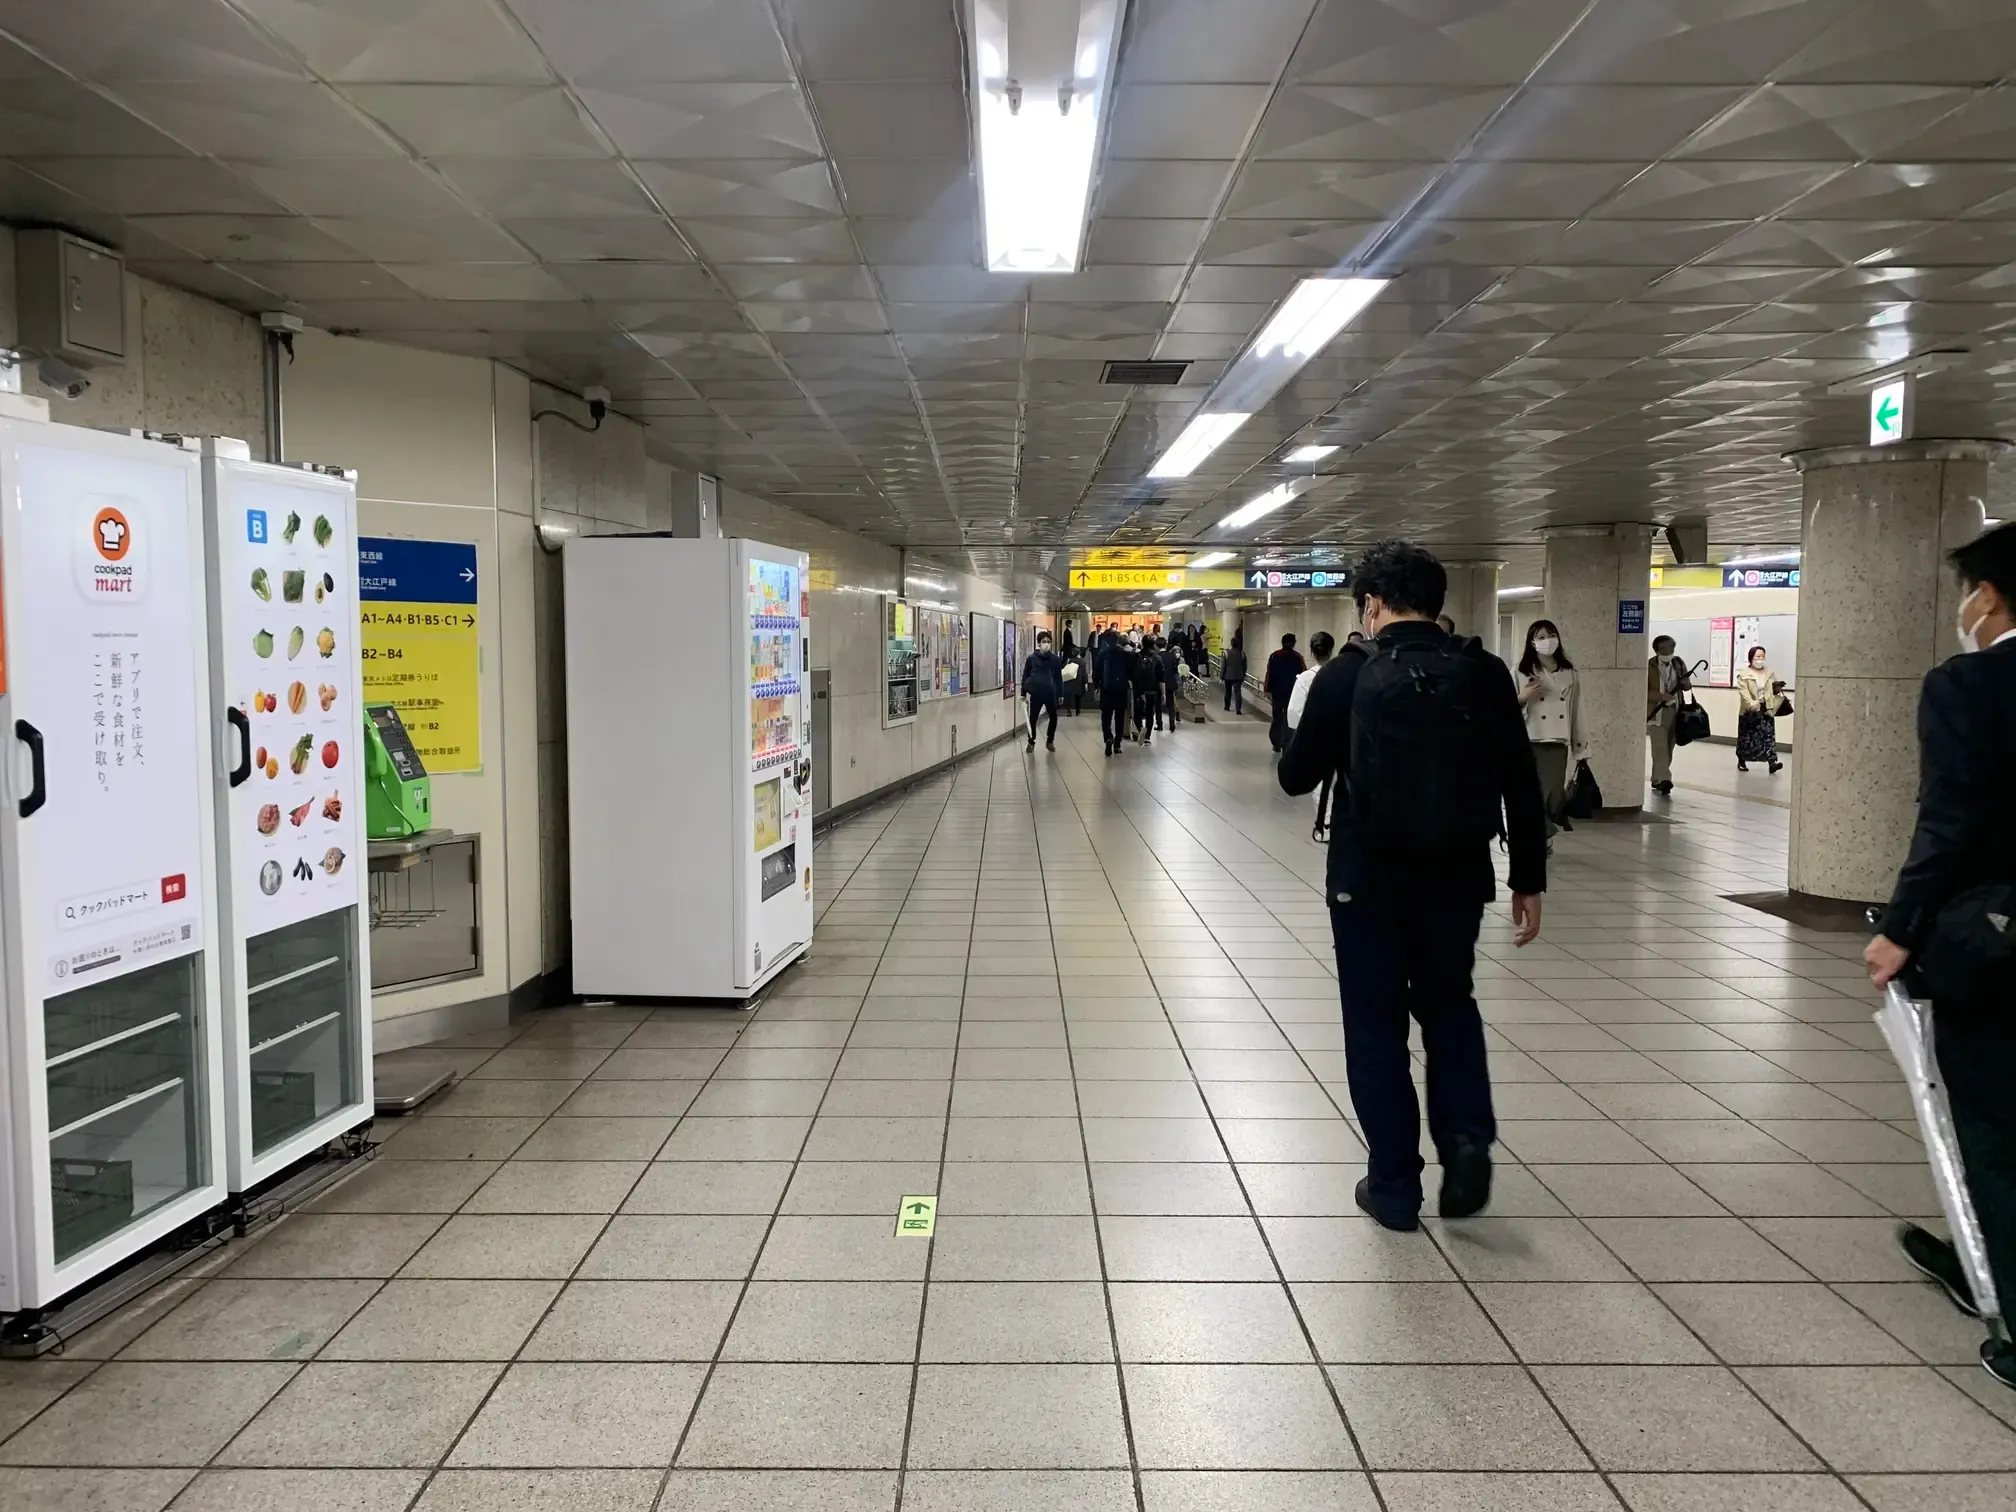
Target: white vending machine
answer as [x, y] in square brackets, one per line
[293, 907]
[111, 1121]
[689, 764]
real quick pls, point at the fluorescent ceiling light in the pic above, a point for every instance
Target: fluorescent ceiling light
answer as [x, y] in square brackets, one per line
[1043, 74]
[1266, 504]
[1209, 559]
[924, 582]
[1520, 593]
[1200, 438]
[1306, 322]
[1166, 592]
[1306, 454]
[1780, 559]
[1317, 310]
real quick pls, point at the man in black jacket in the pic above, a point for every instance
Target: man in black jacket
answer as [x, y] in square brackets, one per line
[1169, 662]
[1232, 672]
[1113, 671]
[1043, 685]
[1424, 734]
[1283, 667]
[1965, 838]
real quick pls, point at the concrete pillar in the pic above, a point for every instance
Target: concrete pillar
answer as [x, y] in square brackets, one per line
[1592, 570]
[1877, 606]
[1473, 600]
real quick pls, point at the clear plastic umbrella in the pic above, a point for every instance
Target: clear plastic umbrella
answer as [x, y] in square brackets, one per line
[1906, 1023]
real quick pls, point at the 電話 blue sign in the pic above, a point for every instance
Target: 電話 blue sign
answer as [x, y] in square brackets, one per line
[416, 572]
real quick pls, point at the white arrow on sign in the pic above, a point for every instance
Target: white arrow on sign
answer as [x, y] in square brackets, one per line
[468, 574]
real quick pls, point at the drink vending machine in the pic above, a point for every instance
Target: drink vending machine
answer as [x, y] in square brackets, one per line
[689, 753]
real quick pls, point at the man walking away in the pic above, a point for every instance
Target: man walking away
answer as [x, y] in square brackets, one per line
[1113, 671]
[1043, 686]
[1321, 644]
[1665, 681]
[1283, 667]
[1952, 891]
[1147, 688]
[1425, 736]
[1169, 662]
[1232, 672]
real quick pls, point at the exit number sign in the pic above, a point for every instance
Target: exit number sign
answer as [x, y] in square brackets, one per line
[1890, 412]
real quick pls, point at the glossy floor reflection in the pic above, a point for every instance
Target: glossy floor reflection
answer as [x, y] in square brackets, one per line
[647, 1259]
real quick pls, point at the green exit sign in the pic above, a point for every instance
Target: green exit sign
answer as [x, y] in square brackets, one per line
[1890, 412]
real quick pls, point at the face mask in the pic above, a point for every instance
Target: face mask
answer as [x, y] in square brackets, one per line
[1665, 658]
[1970, 635]
[1546, 645]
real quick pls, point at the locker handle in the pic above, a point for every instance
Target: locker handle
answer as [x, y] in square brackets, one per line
[38, 792]
[244, 728]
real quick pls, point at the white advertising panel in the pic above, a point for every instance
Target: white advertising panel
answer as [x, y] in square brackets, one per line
[288, 583]
[103, 676]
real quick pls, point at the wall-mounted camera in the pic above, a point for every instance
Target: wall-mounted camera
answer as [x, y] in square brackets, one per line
[58, 375]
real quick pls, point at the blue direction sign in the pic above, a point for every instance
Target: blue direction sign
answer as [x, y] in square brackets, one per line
[1630, 616]
[416, 572]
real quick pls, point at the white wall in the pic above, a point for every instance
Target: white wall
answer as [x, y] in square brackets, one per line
[1727, 603]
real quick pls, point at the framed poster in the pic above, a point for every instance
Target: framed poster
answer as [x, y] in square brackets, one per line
[1010, 666]
[899, 662]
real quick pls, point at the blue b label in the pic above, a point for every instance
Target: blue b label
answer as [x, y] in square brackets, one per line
[255, 526]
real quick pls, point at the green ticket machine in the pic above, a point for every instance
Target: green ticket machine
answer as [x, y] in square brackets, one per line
[397, 801]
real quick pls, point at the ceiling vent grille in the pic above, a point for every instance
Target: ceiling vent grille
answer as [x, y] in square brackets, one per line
[1145, 374]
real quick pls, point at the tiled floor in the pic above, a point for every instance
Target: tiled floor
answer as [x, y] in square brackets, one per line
[648, 1259]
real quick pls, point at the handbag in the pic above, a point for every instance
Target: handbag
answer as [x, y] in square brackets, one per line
[1784, 707]
[1970, 955]
[1070, 671]
[1584, 799]
[1690, 722]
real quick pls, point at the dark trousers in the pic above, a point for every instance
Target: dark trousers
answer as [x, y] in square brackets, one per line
[1038, 702]
[1146, 702]
[1235, 697]
[1113, 704]
[1977, 1060]
[1168, 709]
[1278, 733]
[1400, 958]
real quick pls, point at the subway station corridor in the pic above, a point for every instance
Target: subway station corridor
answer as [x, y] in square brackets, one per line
[648, 1259]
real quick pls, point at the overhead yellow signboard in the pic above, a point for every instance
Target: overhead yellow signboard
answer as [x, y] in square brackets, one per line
[1128, 556]
[1123, 579]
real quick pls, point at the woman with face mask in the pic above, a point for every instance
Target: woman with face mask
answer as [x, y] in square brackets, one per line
[1551, 700]
[1758, 694]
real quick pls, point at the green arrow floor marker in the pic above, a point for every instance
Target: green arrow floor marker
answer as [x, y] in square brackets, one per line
[916, 1217]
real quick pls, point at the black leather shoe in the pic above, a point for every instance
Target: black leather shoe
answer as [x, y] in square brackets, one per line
[1936, 1260]
[1393, 1221]
[1999, 1360]
[1466, 1179]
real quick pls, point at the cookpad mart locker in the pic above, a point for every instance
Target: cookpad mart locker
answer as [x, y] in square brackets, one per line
[689, 764]
[111, 1115]
[293, 911]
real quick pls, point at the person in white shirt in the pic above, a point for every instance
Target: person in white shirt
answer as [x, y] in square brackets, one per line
[1321, 645]
[1551, 700]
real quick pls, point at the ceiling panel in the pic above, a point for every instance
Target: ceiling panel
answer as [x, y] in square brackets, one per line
[1634, 241]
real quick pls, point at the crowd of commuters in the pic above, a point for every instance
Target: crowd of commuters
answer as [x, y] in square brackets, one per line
[1138, 678]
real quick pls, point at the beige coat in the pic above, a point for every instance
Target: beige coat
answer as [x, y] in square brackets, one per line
[1753, 689]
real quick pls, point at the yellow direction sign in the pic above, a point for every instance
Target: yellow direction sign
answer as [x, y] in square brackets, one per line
[1128, 556]
[1127, 577]
[916, 1217]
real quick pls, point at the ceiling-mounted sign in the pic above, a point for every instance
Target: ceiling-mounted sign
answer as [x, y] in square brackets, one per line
[1760, 577]
[1129, 556]
[1297, 577]
[1126, 577]
[1890, 412]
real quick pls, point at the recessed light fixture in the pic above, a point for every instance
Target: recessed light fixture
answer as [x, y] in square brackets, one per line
[1309, 318]
[1266, 504]
[1777, 559]
[1304, 455]
[1520, 593]
[1042, 77]
[1200, 438]
[1209, 559]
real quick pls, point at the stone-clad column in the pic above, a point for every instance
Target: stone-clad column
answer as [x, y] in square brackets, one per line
[1877, 606]
[1473, 599]
[1592, 570]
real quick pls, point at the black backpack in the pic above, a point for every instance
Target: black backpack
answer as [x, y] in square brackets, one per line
[1423, 766]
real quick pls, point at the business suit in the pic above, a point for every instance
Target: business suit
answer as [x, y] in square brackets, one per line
[1405, 925]
[1965, 836]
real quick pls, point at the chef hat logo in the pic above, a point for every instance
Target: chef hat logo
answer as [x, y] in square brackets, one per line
[111, 534]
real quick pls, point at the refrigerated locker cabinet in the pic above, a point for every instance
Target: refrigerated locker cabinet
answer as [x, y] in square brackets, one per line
[111, 1116]
[286, 669]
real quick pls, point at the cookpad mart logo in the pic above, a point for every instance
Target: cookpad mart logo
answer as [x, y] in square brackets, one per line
[112, 557]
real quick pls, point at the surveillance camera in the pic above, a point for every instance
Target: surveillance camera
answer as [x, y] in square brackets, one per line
[63, 378]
